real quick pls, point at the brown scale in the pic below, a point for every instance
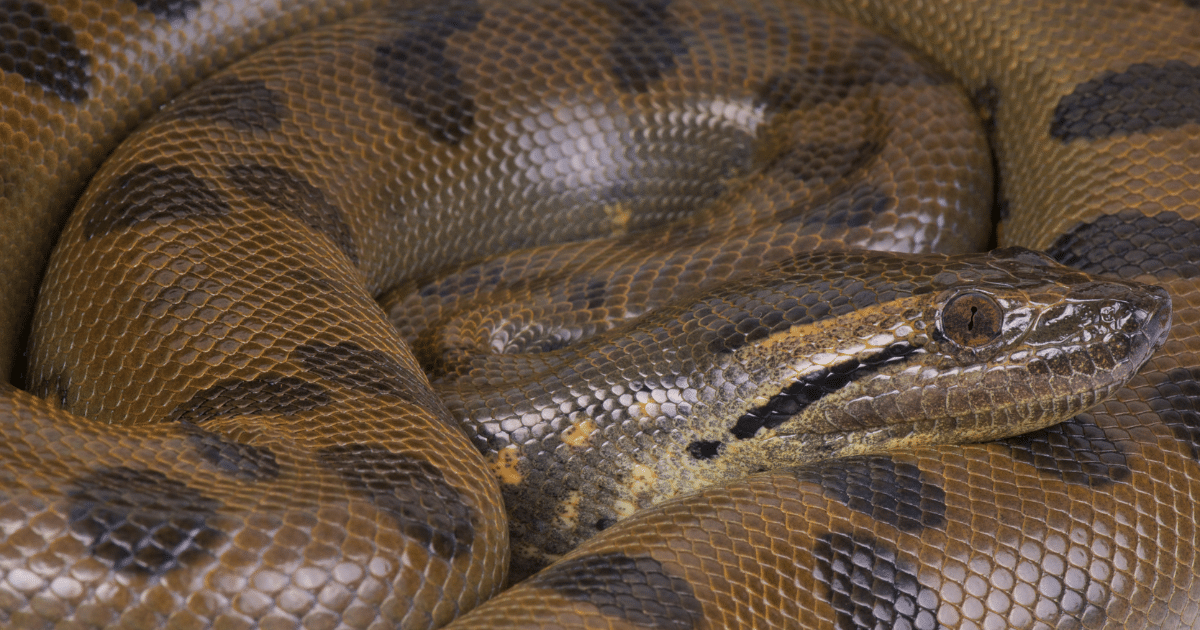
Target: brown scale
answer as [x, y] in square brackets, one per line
[1088, 524]
[238, 505]
[773, 371]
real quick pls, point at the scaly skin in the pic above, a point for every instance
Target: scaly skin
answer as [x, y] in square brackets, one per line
[234, 434]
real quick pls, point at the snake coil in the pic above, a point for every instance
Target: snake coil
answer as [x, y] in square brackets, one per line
[223, 428]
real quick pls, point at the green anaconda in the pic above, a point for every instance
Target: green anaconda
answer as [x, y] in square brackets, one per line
[216, 424]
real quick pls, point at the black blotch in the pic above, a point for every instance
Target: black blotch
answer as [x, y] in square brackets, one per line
[240, 461]
[1075, 452]
[867, 587]
[246, 105]
[1139, 99]
[150, 193]
[1178, 406]
[421, 79]
[173, 10]
[807, 390]
[884, 489]
[269, 394]
[42, 51]
[355, 368]
[704, 449]
[141, 521]
[871, 62]
[637, 590]
[604, 523]
[1130, 244]
[646, 44]
[287, 192]
[413, 492]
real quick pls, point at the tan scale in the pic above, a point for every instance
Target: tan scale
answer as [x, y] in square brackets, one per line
[216, 425]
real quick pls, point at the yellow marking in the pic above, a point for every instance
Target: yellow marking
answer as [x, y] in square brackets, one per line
[864, 326]
[568, 511]
[619, 215]
[577, 434]
[623, 508]
[505, 465]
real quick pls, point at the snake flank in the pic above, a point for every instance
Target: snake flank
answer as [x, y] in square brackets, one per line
[336, 314]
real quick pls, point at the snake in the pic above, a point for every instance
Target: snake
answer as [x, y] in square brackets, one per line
[234, 411]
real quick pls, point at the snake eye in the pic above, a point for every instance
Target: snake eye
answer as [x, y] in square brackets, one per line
[972, 319]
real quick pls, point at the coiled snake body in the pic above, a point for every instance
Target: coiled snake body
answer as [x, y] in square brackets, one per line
[228, 432]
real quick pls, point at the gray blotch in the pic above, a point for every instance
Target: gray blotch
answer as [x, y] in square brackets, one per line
[43, 51]
[268, 394]
[889, 491]
[646, 43]
[421, 78]
[868, 588]
[141, 521]
[637, 590]
[413, 492]
[246, 105]
[151, 193]
[289, 193]
[1141, 98]
[173, 10]
[240, 461]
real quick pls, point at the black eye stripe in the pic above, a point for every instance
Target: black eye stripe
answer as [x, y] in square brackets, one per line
[800, 394]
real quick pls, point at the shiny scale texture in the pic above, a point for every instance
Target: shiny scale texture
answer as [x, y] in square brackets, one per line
[222, 427]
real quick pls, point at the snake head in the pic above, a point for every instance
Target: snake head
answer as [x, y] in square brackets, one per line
[984, 347]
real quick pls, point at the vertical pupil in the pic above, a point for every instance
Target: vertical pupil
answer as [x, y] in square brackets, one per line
[971, 322]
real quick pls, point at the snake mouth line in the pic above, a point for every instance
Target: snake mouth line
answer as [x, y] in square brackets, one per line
[1000, 423]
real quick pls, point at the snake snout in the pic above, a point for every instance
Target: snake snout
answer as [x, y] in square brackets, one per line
[1152, 314]
[1131, 320]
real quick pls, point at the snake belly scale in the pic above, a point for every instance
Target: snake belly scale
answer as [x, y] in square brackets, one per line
[228, 431]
